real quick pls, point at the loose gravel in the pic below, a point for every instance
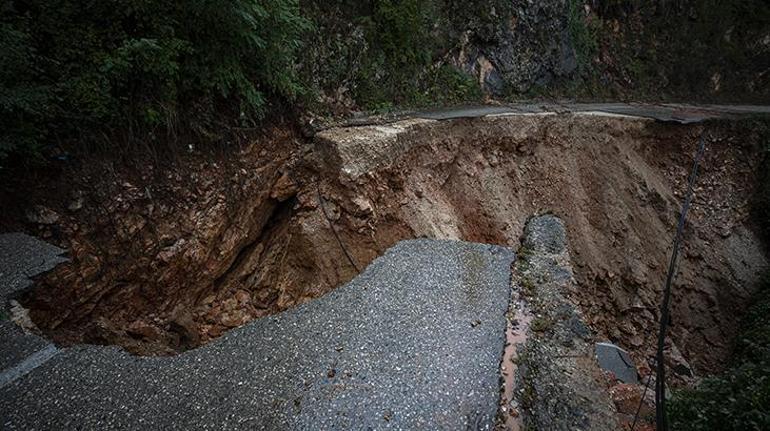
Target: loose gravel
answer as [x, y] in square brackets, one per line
[414, 342]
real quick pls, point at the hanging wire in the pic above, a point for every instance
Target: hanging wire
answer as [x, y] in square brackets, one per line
[661, 419]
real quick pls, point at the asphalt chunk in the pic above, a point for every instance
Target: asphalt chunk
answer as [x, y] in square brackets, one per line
[21, 257]
[414, 342]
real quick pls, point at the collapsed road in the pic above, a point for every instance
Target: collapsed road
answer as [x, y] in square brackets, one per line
[414, 342]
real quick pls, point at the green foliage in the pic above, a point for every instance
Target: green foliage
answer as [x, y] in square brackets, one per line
[23, 101]
[698, 50]
[450, 86]
[719, 35]
[95, 66]
[541, 324]
[397, 32]
[737, 399]
[584, 35]
[484, 19]
[404, 38]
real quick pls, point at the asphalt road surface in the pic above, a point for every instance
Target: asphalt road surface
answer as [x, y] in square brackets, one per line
[414, 342]
[666, 112]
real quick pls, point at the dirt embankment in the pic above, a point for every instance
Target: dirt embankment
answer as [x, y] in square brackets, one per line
[269, 231]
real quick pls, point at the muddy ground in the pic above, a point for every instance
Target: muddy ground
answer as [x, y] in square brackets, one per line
[165, 263]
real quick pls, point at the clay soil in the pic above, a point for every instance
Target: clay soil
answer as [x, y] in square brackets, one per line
[159, 266]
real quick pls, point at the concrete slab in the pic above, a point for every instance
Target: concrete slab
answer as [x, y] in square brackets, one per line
[613, 358]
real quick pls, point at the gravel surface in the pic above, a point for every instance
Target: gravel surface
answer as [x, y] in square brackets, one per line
[414, 342]
[559, 382]
[21, 257]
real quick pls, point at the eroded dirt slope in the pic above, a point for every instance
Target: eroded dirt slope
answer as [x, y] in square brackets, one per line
[277, 234]
[617, 183]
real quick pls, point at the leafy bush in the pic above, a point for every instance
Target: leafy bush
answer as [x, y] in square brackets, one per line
[78, 66]
[739, 398]
[583, 33]
[23, 101]
[401, 50]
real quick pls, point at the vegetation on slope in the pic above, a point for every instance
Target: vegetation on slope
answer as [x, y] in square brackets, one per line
[148, 73]
[380, 54]
[738, 398]
[141, 69]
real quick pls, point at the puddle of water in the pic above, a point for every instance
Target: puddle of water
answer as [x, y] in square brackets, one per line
[515, 336]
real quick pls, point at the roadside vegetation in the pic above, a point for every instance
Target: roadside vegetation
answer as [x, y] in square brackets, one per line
[144, 72]
[737, 399]
[147, 76]
[391, 53]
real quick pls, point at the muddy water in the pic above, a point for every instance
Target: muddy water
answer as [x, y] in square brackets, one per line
[515, 336]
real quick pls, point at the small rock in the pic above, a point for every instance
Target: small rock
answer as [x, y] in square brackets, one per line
[168, 253]
[76, 204]
[284, 188]
[627, 397]
[243, 297]
[231, 319]
[20, 316]
[678, 363]
[42, 215]
[363, 206]
[183, 324]
[144, 330]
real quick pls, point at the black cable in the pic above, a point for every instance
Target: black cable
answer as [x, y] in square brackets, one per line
[661, 419]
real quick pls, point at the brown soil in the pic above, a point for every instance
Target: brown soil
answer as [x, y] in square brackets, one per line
[163, 269]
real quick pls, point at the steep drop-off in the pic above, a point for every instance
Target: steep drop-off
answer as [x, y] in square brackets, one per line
[264, 236]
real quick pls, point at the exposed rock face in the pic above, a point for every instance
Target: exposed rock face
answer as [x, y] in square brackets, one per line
[530, 47]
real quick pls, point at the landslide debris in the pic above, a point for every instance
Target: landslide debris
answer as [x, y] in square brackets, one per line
[559, 384]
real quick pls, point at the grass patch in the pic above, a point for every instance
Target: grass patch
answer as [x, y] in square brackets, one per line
[528, 287]
[541, 324]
